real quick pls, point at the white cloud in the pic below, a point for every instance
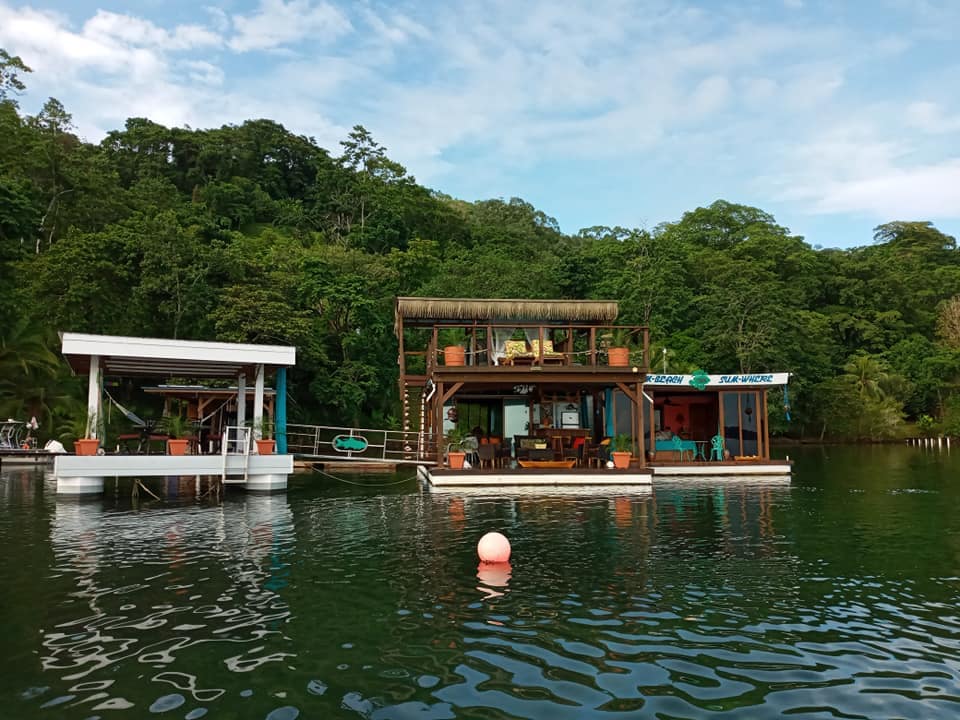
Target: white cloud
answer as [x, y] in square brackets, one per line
[928, 191]
[203, 72]
[931, 118]
[709, 95]
[473, 97]
[113, 28]
[281, 22]
[852, 169]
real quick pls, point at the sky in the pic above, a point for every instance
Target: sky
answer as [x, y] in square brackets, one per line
[833, 116]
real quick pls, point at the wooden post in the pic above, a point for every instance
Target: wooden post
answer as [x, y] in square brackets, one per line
[722, 431]
[438, 419]
[740, 419]
[766, 427]
[641, 445]
[653, 420]
[593, 346]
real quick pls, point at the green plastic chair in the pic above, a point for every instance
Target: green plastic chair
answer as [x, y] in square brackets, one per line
[678, 446]
[716, 447]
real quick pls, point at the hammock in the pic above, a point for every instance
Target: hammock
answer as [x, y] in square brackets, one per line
[131, 416]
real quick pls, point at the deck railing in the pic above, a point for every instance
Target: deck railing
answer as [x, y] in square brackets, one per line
[327, 442]
[573, 345]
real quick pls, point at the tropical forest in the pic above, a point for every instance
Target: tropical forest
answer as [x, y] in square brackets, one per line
[252, 233]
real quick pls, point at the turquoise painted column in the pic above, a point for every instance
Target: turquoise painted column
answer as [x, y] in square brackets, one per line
[280, 419]
[608, 410]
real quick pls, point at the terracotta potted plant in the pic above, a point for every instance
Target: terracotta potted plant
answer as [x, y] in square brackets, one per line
[265, 446]
[452, 340]
[178, 428]
[87, 445]
[455, 454]
[618, 352]
[622, 451]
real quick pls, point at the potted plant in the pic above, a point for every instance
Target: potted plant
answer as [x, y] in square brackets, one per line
[622, 451]
[455, 454]
[179, 429]
[618, 352]
[86, 445]
[452, 341]
[265, 446]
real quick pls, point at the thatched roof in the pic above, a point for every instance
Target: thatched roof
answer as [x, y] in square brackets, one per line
[461, 309]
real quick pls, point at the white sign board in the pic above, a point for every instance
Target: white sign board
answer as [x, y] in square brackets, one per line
[717, 381]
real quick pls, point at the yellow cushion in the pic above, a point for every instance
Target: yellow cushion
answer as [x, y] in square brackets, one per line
[547, 348]
[515, 348]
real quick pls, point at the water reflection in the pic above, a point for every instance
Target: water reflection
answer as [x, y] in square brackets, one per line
[692, 600]
[160, 589]
[493, 577]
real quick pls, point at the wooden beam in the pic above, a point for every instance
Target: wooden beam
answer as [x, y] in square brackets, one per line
[449, 394]
[628, 392]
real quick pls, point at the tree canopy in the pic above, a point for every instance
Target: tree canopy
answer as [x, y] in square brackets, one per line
[251, 232]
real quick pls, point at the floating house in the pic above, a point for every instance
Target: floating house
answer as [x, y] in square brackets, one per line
[548, 391]
[237, 462]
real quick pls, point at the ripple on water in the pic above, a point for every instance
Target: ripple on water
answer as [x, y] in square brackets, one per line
[167, 703]
[287, 712]
[315, 687]
[709, 601]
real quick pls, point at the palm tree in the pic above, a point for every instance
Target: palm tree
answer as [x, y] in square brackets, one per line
[868, 375]
[30, 372]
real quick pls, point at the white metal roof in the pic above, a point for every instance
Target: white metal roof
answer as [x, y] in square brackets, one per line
[136, 356]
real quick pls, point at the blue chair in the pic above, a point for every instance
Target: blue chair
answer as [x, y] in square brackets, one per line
[716, 447]
[681, 447]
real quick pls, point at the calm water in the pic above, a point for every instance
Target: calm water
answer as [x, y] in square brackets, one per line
[835, 596]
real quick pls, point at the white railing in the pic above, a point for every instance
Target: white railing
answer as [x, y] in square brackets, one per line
[237, 441]
[329, 442]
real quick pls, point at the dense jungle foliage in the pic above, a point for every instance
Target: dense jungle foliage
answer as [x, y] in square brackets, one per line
[252, 233]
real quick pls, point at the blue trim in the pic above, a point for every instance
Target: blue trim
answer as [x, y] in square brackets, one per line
[608, 410]
[280, 418]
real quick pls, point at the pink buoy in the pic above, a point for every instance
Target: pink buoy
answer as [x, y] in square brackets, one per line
[493, 548]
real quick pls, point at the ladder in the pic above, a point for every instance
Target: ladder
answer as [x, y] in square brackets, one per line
[243, 439]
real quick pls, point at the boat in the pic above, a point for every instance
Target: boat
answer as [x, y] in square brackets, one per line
[18, 446]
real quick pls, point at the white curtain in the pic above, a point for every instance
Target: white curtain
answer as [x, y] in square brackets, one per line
[500, 337]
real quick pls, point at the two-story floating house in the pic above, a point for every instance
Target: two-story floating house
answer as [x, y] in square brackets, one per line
[545, 392]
